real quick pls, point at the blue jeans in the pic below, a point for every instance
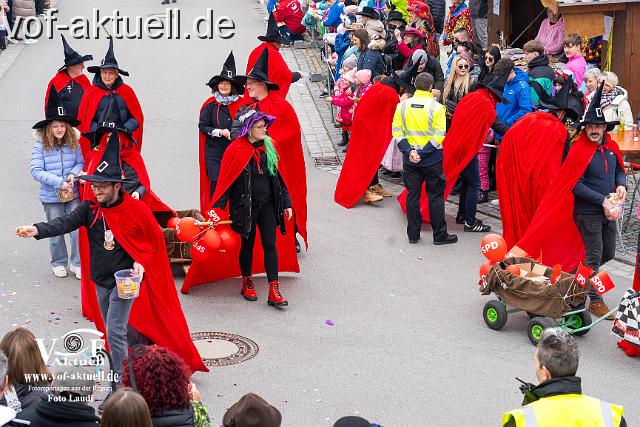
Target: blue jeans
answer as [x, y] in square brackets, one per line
[469, 191]
[57, 245]
[115, 313]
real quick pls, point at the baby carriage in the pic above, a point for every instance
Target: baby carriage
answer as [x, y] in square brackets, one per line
[560, 304]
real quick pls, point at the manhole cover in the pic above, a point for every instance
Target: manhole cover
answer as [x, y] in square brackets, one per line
[222, 349]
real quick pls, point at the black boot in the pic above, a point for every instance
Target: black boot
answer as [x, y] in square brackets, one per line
[165, 2]
[345, 139]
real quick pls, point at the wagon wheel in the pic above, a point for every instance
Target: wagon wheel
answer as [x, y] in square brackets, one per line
[495, 315]
[577, 321]
[536, 327]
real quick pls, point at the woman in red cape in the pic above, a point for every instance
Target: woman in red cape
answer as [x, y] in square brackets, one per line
[215, 120]
[93, 97]
[369, 140]
[474, 115]
[529, 157]
[553, 236]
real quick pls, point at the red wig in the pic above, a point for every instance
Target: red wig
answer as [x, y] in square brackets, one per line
[161, 377]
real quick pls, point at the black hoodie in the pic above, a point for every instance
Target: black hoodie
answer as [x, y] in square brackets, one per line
[49, 413]
[538, 68]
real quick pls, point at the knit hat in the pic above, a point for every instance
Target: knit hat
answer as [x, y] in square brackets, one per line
[364, 76]
[419, 55]
[350, 62]
[350, 76]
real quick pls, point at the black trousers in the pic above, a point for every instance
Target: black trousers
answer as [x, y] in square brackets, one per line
[212, 188]
[263, 217]
[433, 177]
[599, 238]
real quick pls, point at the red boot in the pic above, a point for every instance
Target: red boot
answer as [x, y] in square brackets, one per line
[275, 299]
[248, 290]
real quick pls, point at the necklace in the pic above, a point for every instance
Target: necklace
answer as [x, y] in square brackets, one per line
[109, 242]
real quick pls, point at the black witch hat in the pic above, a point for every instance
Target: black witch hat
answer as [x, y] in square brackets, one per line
[71, 57]
[260, 70]
[54, 110]
[108, 122]
[273, 35]
[229, 73]
[403, 79]
[594, 114]
[109, 61]
[496, 83]
[562, 101]
[109, 169]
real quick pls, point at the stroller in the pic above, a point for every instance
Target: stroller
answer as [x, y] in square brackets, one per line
[560, 304]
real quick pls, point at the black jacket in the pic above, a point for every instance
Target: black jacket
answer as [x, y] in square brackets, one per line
[439, 13]
[174, 418]
[247, 190]
[104, 263]
[49, 413]
[538, 68]
[26, 395]
[554, 387]
[372, 60]
[434, 68]
[214, 116]
[478, 8]
[129, 122]
[597, 182]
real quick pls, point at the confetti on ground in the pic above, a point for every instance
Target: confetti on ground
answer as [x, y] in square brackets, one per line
[420, 258]
[318, 400]
[329, 322]
[12, 293]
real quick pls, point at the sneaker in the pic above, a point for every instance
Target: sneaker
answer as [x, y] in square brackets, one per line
[600, 309]
[14, 40]
[323, 94]
[495, 202]
[30, 41]
[76, 271]
[371, 197]
[476, 227]
[59, 271]
[380, 191]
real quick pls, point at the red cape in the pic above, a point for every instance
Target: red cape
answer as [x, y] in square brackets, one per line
[369, 140]
[552, 234]
[474, 115]
[205, 183]
[279, 72]
[529, 157]
[156, 313]
[224, 265]
[87, 111]
[61, 79]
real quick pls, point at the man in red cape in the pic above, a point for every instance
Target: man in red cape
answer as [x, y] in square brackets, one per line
[285, 131]
[108, 81]
[530, 156]
[69, 81]
[279, 71]
[370, 138]
[123, 233]
[561, 223]
[474, 115]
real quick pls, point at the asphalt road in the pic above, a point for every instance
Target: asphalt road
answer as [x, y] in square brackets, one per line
[408, 346]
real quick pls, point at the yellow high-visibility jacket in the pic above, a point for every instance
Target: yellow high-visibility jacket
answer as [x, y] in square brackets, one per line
[421, 120]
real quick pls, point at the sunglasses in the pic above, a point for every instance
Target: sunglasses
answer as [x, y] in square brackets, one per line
[488, 58]
[463, 67]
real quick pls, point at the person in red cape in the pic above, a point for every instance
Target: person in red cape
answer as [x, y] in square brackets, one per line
[286, 132]
[70, 82]
[108, 81]
[258, 199]
[578, 214]
[216, 118]
[123, 235]
[369, 140]
[475, 114]
[530, 155]
[279, 71]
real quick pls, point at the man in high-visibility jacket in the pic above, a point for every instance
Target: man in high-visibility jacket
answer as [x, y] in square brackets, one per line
[419, 127]
[558, 400]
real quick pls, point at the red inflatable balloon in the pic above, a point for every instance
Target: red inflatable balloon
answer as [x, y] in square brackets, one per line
[230, 239]
[199, 251]
[216, 214]
[172, 222]
[493, 247]
[513, 269]
[484, 270]
[187, 229]
[211, 239]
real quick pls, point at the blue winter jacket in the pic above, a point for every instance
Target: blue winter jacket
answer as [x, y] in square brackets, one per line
[333, 17]
[51, 169]
[518, 93]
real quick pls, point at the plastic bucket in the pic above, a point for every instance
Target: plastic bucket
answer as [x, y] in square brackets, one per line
[128, 284]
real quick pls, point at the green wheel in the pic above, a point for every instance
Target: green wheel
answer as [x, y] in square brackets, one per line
[536, 327]
[577, 321]
[495, 315]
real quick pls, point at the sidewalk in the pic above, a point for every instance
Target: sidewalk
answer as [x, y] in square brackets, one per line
[321, 137]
